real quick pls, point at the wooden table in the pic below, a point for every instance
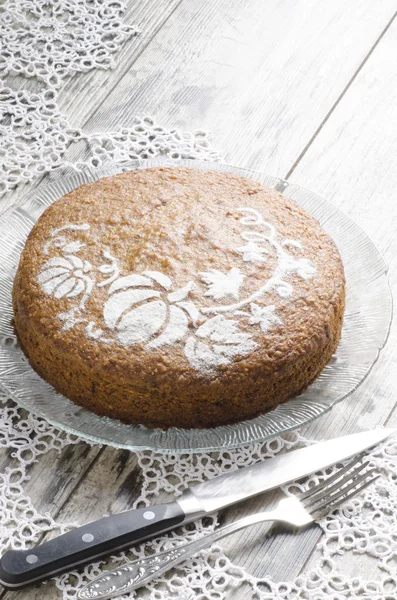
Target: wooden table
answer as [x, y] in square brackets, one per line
[303, 89]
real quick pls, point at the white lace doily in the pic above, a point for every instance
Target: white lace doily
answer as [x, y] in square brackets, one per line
[365, 525]
[49, 40]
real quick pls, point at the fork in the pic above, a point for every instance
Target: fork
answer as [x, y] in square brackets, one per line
[299, 511]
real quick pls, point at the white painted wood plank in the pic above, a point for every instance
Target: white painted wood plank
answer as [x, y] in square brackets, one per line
[260, 75]
[102, 482]
[55, 475]
[262, 85]
[83, 93]
[353, 162]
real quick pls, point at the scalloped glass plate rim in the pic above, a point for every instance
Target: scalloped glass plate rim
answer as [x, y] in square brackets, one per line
[197, 440]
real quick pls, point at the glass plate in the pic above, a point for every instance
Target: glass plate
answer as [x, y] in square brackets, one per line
[366, 326]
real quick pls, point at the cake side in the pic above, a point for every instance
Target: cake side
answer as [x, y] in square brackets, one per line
[181, 326]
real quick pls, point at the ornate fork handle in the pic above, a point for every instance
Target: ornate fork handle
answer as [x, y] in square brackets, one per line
[298, 510]
[142, 571]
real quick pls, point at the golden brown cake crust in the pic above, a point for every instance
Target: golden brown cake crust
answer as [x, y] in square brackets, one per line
[178, 297]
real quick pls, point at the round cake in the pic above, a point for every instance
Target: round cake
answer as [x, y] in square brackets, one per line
[174, 297]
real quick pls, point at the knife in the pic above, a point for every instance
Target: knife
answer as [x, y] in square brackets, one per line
[95, 540]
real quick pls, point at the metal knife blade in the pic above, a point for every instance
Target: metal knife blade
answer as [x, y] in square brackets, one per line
[110, 534]
[244, 483]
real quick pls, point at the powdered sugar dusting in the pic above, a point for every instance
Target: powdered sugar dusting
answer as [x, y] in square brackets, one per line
[146, 309]
[221, 285]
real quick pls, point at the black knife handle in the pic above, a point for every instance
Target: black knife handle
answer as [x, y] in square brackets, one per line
[87, 543]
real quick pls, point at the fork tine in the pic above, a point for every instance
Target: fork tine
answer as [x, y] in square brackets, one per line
[331, 479]
[319, 513]
[347, 476]
[342, 492]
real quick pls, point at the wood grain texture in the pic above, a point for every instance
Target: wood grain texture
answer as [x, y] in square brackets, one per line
[81, 95]
[261, 85]
[260, 75]
[265, 77]
[353, 163]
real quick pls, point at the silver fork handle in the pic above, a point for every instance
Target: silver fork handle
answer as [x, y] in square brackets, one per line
[143, 570]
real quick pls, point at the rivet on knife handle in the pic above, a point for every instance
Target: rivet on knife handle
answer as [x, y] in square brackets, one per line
[299, 511]
[76, 548]
[85, 544]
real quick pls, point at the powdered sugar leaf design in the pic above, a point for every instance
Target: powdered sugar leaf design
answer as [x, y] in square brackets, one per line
[202, 357]
[223, 284]
[265, 316]
[302, 266]
[222, 331]
[92, 331]
[252, 252]
[60, 241]
[224, 342]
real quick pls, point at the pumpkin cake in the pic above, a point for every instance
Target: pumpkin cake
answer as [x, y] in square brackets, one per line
[178, 297]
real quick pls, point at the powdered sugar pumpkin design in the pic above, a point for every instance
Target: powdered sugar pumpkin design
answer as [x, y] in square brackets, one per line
[65, 277]
[142, 309]
[148, 309]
